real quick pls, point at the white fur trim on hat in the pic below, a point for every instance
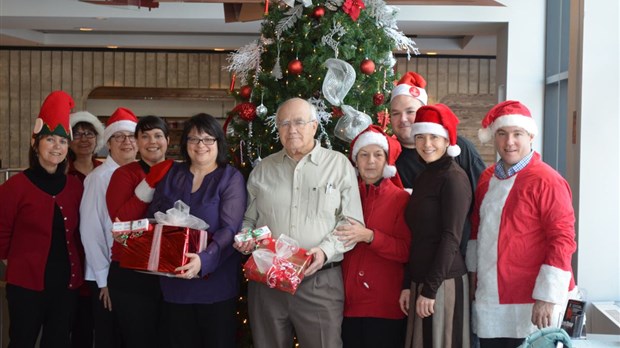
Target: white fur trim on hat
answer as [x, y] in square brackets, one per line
[118, 126]
[369, 138]
[85, 116]
[453, 150]
[429, 128]
[389, 171]
[405, 89]
[525, 122]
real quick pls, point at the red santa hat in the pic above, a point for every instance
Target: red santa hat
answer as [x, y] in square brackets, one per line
[411, 84]
[510, 113]
[54, 115]
[121, 120]
[437, 119]
[375, 135]
[87, 117]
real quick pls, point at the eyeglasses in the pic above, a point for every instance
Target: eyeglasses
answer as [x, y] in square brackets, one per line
[294, 123]
[87, 135]
[196, 141]
[120, 137]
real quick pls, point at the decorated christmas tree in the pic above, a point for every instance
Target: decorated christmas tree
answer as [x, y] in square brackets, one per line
[338, 54]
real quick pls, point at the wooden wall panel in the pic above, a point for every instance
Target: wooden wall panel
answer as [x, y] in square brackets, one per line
[28, 76]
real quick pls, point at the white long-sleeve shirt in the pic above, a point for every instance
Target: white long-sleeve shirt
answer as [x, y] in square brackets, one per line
[95, 223]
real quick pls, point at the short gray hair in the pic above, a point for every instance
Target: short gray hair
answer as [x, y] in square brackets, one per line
[312, 108]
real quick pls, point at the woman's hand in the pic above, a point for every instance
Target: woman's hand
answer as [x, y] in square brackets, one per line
[424, 306]
[404, 301]
[192, 268]
[353, 233]
[104, 296]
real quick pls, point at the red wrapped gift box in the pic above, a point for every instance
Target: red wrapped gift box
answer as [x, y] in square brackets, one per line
[281, 269]
[161, 249]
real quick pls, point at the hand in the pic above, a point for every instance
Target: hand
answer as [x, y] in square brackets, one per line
[542, 313]
[404, 301]
[104, 296]
[245, 247]
[353, 233]
[424, 306]
[158, 172]
[317, 262]
[191, 269]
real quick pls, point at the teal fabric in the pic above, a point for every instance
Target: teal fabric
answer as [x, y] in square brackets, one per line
[547, 338]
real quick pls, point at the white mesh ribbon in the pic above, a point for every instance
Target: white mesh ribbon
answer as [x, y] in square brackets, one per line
[179, 216]
[338, 81]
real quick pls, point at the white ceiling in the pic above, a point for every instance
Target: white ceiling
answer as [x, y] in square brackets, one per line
[201, 26]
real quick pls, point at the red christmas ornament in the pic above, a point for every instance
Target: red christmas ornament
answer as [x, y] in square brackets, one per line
[384, 118]
[367, 66]
[246, 111]
[245, 92]
[337, 112]
[295, 67]
[353, 8]
[378, 98]
[318, 12]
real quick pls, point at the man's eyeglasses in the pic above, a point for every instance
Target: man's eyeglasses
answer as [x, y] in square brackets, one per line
[196, 141]
[294, 123]
[86, 135]
[120, 138]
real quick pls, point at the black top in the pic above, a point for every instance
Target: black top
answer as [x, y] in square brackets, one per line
[435, 215]
[57, 268]
[409, 166]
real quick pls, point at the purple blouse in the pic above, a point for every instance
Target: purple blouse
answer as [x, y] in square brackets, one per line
[220, 202]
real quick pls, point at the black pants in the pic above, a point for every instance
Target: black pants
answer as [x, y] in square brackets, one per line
[201, 325]
[373, 332]
[501, 342]
[82, 331]
[50, 310]
[136, 300]
[107, 334]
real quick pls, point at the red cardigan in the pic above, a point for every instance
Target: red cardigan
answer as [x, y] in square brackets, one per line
[373, 273]
[26, 230]
[122, 201]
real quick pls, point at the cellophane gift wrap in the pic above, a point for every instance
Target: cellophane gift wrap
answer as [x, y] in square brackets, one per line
[279, 263]
[162, 247]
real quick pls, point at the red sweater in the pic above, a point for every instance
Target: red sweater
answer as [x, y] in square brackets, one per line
[373, 273]
[26, 230]
[122, 201]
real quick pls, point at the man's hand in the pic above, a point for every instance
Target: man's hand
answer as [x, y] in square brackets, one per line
[353, 233]
[317, 261]
[424, 306]
[245, 247]
[404, 301]
[104, 296]
[542, 314]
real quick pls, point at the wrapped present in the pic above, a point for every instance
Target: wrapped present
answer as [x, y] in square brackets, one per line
[161, 248]
[256, 234]
[280, 264]
[123, 230]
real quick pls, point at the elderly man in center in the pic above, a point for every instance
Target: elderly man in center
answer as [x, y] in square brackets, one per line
[304, 191]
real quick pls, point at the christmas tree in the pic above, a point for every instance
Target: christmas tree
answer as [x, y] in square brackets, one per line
[336, 53]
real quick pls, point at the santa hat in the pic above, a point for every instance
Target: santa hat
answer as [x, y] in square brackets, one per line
[121, 120]
[375, 135]
[510, 113]
[54, 115]
[411, 84]
[87, 117]
[437, 119]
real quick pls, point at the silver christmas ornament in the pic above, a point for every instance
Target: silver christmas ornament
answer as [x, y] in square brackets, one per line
[261, 110]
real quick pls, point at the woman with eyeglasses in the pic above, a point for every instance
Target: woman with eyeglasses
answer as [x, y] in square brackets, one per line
[137, 296]
[200, 305]
[87, 140]
[39, 238]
